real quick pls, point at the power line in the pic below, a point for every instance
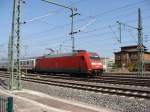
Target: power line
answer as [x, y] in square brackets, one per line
[87, 33]
[105, 12]
[96, 35]
[48, 14]
[113, 25]
[103, 28]
[112, 10]
[94, 30]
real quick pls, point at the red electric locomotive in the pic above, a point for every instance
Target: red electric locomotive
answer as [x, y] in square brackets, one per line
[78, 62]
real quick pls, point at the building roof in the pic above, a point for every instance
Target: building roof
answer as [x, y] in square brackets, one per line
[130, 52]
[132, 46]
[75, 52]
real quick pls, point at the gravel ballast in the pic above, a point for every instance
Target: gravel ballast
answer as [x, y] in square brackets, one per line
[118, 103]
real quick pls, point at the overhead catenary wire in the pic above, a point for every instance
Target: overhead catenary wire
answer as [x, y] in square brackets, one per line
[39, 17]
[93, 35]
[94, 30]
[131, 33]
[97, 31]
[112, 10]
[48, 14]
[52, 29]
[79, 37]
[113, 25]
[114, 33]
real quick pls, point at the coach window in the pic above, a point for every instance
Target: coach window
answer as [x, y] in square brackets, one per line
[27, 62]
[32, 62]
[24, 62]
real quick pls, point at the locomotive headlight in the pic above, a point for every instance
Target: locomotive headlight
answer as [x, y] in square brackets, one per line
[96, 63]
[99, 63]
[93, 63]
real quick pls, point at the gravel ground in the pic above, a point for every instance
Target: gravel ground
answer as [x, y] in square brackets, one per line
[118, 103]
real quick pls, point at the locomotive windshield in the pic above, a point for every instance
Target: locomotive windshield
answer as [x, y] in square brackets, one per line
[94, 56]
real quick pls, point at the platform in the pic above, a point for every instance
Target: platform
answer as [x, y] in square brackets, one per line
[32, 101]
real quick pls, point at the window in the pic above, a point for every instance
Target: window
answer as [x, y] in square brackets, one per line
[133, 56]
[118, 57]
[32, 62]
[94, 57]
[24, 63]
[27, 62]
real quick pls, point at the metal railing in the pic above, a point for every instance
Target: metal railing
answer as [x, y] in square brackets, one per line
[6, 104]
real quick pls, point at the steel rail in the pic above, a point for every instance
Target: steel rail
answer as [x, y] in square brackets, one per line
[137, 93]
[109, 80]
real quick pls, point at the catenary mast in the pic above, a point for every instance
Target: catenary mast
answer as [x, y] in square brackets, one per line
[14, 45]
[140, 44]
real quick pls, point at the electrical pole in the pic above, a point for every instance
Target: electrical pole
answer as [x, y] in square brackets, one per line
[119, 31]
[140, 45]
[73, 13]
[10, 60]
[14, 40]
[60, 48]
[140, 48]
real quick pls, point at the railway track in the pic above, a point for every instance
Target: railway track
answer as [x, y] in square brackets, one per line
[81, 85]
[137, 81]
[129, 74]
[123, 80]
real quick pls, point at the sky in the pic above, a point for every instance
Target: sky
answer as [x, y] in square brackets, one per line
[48, 26]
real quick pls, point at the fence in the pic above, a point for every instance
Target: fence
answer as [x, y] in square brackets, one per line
[6, 104]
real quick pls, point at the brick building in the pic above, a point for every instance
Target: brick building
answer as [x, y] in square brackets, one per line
[128, 58]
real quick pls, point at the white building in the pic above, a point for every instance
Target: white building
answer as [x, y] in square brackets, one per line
[108, 63]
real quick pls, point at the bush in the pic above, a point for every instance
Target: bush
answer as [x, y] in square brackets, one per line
[131, 67]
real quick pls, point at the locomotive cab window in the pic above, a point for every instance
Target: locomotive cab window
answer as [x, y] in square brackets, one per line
[94, 57]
